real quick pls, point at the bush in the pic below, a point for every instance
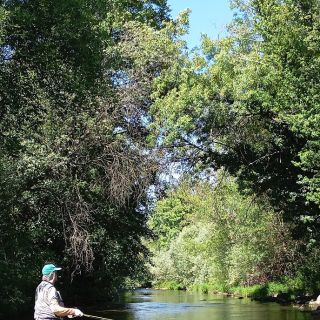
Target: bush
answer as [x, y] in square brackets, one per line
[222, 238]
[169, 285]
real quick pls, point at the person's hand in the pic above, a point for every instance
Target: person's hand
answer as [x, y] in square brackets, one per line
[78, 313]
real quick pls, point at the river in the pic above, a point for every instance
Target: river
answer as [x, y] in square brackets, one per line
[180, 305]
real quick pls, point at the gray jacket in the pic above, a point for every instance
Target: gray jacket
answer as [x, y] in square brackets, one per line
[47, 298]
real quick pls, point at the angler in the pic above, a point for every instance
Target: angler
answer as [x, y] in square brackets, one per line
[48, 301]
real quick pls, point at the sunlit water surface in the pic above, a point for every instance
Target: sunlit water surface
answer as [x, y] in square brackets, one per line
[179, 305]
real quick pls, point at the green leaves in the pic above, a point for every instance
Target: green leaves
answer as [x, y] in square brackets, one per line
[247, 103]
[252, 105]
[75, 165]
[213, 234]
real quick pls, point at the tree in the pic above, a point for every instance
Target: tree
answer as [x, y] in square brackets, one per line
[211, 234]
[249, 102]
[75, 162]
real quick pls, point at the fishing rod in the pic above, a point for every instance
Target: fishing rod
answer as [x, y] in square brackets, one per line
[95, 317]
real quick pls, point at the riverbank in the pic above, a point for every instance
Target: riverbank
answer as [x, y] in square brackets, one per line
[270, 292]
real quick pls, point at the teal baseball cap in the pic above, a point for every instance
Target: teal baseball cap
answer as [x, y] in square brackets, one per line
[49, 268]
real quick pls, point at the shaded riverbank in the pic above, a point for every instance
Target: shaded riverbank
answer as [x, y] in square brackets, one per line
[270, 292]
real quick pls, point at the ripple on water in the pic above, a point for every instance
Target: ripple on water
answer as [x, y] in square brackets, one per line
[180, 305]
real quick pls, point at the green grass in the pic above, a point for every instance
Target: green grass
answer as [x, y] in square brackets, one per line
[251, 291]
[209, 288]
[291, 287]
[169, 285]
[288, 288]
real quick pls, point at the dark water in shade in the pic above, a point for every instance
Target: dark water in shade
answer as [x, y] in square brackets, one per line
[180, 305]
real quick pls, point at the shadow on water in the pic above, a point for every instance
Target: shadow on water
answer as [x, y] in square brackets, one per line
[180, 305]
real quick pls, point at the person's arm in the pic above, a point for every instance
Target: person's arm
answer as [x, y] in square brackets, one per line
[57, 309]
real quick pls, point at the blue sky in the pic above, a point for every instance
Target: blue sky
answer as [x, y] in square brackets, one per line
[208, 16]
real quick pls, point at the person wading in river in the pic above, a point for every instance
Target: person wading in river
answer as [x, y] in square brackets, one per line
[48, 301]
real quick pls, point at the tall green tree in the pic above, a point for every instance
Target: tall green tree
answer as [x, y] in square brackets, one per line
[249, 102]
[75, 163]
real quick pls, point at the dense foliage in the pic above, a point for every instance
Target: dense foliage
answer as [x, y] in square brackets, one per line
[214, 236]
[249, 102]
[75, 165]
[97, 95]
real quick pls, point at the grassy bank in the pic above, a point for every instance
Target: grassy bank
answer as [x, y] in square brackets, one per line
[169, 285]
[289, 289]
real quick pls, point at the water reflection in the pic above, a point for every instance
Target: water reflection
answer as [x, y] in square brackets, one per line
[180, 305]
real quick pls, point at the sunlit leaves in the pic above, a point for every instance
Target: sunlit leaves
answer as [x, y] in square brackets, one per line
[212, 234]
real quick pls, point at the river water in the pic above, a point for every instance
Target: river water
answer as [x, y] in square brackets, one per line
[180, 305]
